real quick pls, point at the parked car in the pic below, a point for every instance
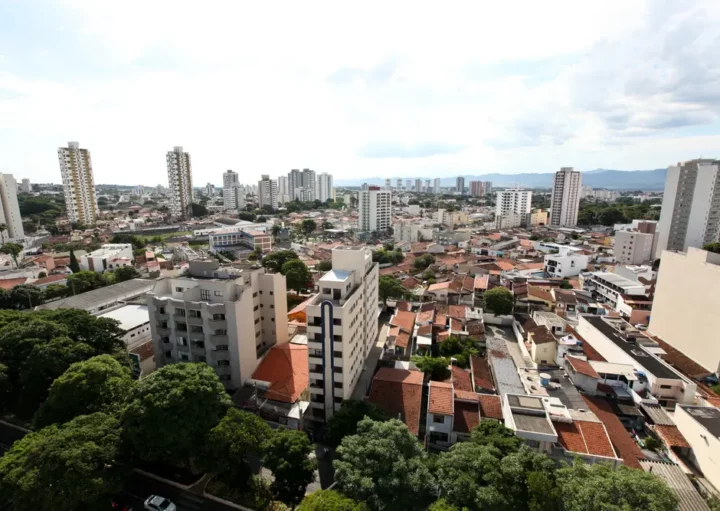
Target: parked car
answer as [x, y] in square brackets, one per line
[158, 503]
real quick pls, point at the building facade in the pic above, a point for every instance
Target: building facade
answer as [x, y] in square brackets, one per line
[324, 187]
[25, 187]
[10, 210]
[267, 192]
[568, 262]
[179, 171]
[78, 184]
[283, 191]
[460, 185]
[565, 198]
[233, 191]
[633, 247]
[375, 208]
[477, 188]
[436, 186]
[513, 201]
[107, 258]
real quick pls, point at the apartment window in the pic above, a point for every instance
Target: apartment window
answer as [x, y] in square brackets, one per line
[257, 320]
[337, 354]
[337, 321]
[272, 293]
[337, 370]
[194, 314]
[181, 341]
[220, 332]
[337, 385]
[665, 386]
[184, 356]
[221, 347]
[257, 334]
[218, 293]
[218, 317]
[168, 354]
[439, 419]
[161, 310]
[199, 344]
[255, 308]
[204, 294]
[255, 294]
[338, 399]
[272, 306]
[222, 363]
[202, 358]
[180, 312]
[179, 290]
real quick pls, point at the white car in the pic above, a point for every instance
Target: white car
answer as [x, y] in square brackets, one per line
[158, 503]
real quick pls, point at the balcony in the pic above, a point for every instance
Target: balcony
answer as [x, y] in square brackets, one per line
[217, 324]
[219, 339]
[196, 336]
[163, 332]
[179, 317]
[194, 321]
[162, 317]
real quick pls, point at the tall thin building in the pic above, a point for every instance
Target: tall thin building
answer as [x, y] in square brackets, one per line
[513, 201]
[399, 185]
[309, 184]
[9, 210]
[179, 171]
[477, 188]
[25, 187]
[233, 191]
[209, 189]
[324, 186]
[488, 187]
[268, 192]
[565, 199]
[418, 185]
[460, 185]
[374, 207]
[388, 184]
[690, 214]
[436, 186]
[408, 185]
[428, 189]
[78, 184]
[294, 183]
[283, 190]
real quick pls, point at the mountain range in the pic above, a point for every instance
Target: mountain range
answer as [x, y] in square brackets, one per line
[598, 178]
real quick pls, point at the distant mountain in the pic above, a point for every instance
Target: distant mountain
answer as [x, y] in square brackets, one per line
[598, 178]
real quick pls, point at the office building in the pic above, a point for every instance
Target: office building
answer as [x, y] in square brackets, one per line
[223, 316]
[436, 186]
[324, 187]
[686, 305]
[477, 188]
[375, 208]
[179, 171]
[565, 198]
[418, 185]
[78, 184]
[513, 201]
[233, 191]
[460, 185]
[25, 187]
[268, 192]
[342, 328]
[9, 210]
[690, 214]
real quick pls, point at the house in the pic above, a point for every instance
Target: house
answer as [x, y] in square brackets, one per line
[398, 393]
[107, 257]
[400, 335]
[568, 262]
[440, 413]
[543, 348]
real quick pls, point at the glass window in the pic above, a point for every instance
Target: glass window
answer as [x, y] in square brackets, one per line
[439, 419]
[218, 293]
[204, 294]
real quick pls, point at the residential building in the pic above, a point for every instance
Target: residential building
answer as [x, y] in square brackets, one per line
[451, 218]
[399, 185]
[418, 185]
[411, 230]
[513, 201]
[375, 207]
[233, 191]
[108, 257]
[10, 210]
[633, 247]
[700, 427]
[565, 199]
[408, 185]
[268, 192]
[460, 185]
[224, 316]
[477, 188]
[536, 217]
[25, 187]
[239, 238]
[428, 188]
[302, 185]
[78, 184]
[179, 171]
[210, 189]
[398, 392]
[568, 262]
[342, 328]
[509, 221]
[135, 325]
[608, 287]
[436, 186]
[388, 184]
[488, 187]
[324, 187]
[690, 214]
[283, 190]
[686, 305]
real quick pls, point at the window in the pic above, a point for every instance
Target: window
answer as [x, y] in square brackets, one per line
[257, 320]
[439, 419]
[202, 358]
[184, 356]
[218, 317]
[179, 290]
[255, 294]
[222, 363]
[220, 332]
[532, 443]
[168, 354]
[272, 293]
[221, 347]
[181, 341]
[218, 293]
[204, 294]
[272, 306]
[255, 308]
[665, 386]
[337, 384]
[161, 310]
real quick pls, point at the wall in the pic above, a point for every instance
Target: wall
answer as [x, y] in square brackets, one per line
[705, 447]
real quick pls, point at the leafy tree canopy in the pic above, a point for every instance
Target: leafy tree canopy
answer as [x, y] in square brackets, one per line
[391, 287]
[297, 275]
[288, 456]
[344, 421]
[324, 266]
[435, 367]
[712, 247]
[424, 261]
[330, 500]
[275, 261]
[126, 273]
[498, 300]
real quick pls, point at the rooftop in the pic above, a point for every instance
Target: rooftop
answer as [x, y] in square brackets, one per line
[98, 297]
[707, 416]
[440, 400]
[503, 368]
[398, 392]
[336, 276]
[285, 368]
[674, 476]
[129, 316]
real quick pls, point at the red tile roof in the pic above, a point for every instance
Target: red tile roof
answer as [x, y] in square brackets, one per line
[624, 445]
[403, 306]
[481, 373]
[404, 319]
[596, 438]
[457, 311]
[403, 339]
[49, 279]
[467, 416]
[145, 350]
[490, 406]
[672, 436]
[285, 367]
[582, 366]
[679, 360]
[440, 400]
[11, 283]
[399, 393]
[481, 281]
[425, 316]
[461, 379]
[541, 335]
[425, 330]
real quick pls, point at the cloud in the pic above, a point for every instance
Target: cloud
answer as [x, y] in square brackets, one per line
[421, 150]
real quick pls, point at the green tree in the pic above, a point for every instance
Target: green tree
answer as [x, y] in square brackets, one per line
[187, 395]
[712, 247]
[297, 275]
[198, 210]
[385, 466]
[136, 241]
[26, 296]
[435, 367]
[275, 261]
[466, 474]
[391, 287]
[330, 500]
[54, 291]
[288, 456]
[565, 284]
[74, 264]
[424, 261]
[126, 273]
[498, 300]
[84, 281]
[495, 434]
[324, 266]
[459, 348]
[99, 384]
[344, 422]
[308, 226]
[72, 466]
[13, 250]
[276, 229]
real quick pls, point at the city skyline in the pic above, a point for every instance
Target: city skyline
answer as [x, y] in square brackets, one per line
[621, 85]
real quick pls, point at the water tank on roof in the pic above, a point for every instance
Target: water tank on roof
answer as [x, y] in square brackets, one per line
[544, 379]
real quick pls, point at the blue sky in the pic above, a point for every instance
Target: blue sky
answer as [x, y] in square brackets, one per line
[399, 89]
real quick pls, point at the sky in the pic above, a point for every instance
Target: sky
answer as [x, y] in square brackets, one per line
[376, 89]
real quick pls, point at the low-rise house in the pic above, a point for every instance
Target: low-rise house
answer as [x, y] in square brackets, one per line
[135, 323]
[107, 258]
[542, 345]
[398, 393]
[568, 262]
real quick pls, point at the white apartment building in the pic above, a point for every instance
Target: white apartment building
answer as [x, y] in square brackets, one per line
[324, 187]
[399, 185]
[108, 257]
[179, 171]
[268, 192]
[565, 198]
[568, 262]
[388, 184]
[78, 184]
[302, 185]
[25, 187]
[409, 230]
[342, 326]
[608, 287]
[283, 191]
[436, 185]
[233, 191]
[10, 210]
[686, 308]
[209, 189]
[223, 316]
[451, 218]
[513, 201]
[375, 207]
[428, 186]
[633, 247]
[690, 214]
[418, 185]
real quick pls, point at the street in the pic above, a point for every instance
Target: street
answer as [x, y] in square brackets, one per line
[139, 487]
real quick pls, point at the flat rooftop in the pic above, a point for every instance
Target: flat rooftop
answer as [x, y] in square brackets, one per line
[707, 416]
[617, 280]
[528, 413]
[335, 276]
[105, 295]
[129, 316]
[503, 368]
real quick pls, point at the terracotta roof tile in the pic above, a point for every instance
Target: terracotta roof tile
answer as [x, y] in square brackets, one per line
[403, 339]
[680, 361]
[439, 286]
[540, 294]
[481, 281]
[440, 400]
[596, 438]
[425, 330]
[624, 445]
[410, 283]
[490, 406]
[404, 319]
[582, 366]
[672, 436]
[404, 306]
[285, 367]
[467, 416]
[145, 350]
[399, 393]
[457, 311]
[425, 316]
[481, 373]
[461, 379]
[541, 335]
[11, 283]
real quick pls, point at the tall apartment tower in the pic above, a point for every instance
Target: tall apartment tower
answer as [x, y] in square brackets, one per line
[341, 328]
[565, 199]
[233, 191]
[324, 187]
[418, 185]
[283, 190]
[374, 207]
[399, 185]
[488, 187]
[477, 188]
[179, 171]
[388, 184]
[78, 184]
[268, 192]
[436, 186]
[690, 214]
[513, 201]
[209, 189]
[223, 316]
[408, 185]
[9, 209]
[26, 187]
[302, 185]
[460, 185]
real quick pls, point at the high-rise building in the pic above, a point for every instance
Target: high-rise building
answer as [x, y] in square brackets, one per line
[209, 189]
[25, 187]
[388, 184]
[341, 328]
[690, 214]
[436, 186]
[633, 247]
[488, 187]
[418, 185]
[477, 188]
[408, 185]
[179, 171]
[399, 185]
[223, 316]
[283, 190]
[233, 191]
[267, 192]
[513, 201]
[427, 189]
[565, 198]
[302, 185]
[9, 210]
[374, 206]
[78, 184]
[309, 183]
[324, 187]
[460, 185]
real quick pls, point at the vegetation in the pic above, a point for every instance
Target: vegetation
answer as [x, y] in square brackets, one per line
[288, 456]
[324, 266]
[87, 280]
[13, 250]
[712, 247]
[330, 500]
[297, 275]
[435, 367]
[391, 287]
[198, 210]
[308, 226]
[459, 348]
[125, 273]
[498, 300]
[388, 255]
[623, 211]
[424, 261]
[275, 261]
[344, 422]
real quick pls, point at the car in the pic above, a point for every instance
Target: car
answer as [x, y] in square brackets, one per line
[158, 503]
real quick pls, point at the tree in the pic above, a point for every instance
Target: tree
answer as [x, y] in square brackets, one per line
[296, 274]
[73, 466]
[3, 229]
[712, 247]
[238, 439]
[275, 261]
[13, 250]
[308, 226]
[344, 422]
[198, 210]
[126, 273]
[424, 261]
[324, 265]
[26, 296]
[465, 475]
[54, 291]
[391, 287]
[498, 300]
[288, 456]
[171, 411]
[276, 229]
[435, 367]
[74, 265]
[86, 280]
[459, 348]
[385, 466]
[496, 435]
[99, 384]
[330, 500]
[565, 284]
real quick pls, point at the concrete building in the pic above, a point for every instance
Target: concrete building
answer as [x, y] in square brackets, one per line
[239, 238]
[9, 209]
[410, 230]
[685, 310]
[408, 185]
[342, 328]
[488, 187]
[283, 190]
[609, 287]
[135, 325]
[537, 217]
[460, 185]
[103, 298]
[399, 185]
[509, 221]
[210, 189]
[690, 214]
[224, 316]
[388, 184]
[477, 188]
[633, 247]
[513, 201]
[233, 191]
[268, 192]
[565, 198]
[179, 171]
[108, 257]
[436, 186]
[568, 262]
[302, 185]
[25, 187]
[418, 185]
[324, 187]
[375, 207]
[78, 184]
[700, 427]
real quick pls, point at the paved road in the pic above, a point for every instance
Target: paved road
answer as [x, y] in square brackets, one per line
[139, 487]
[363, 384]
